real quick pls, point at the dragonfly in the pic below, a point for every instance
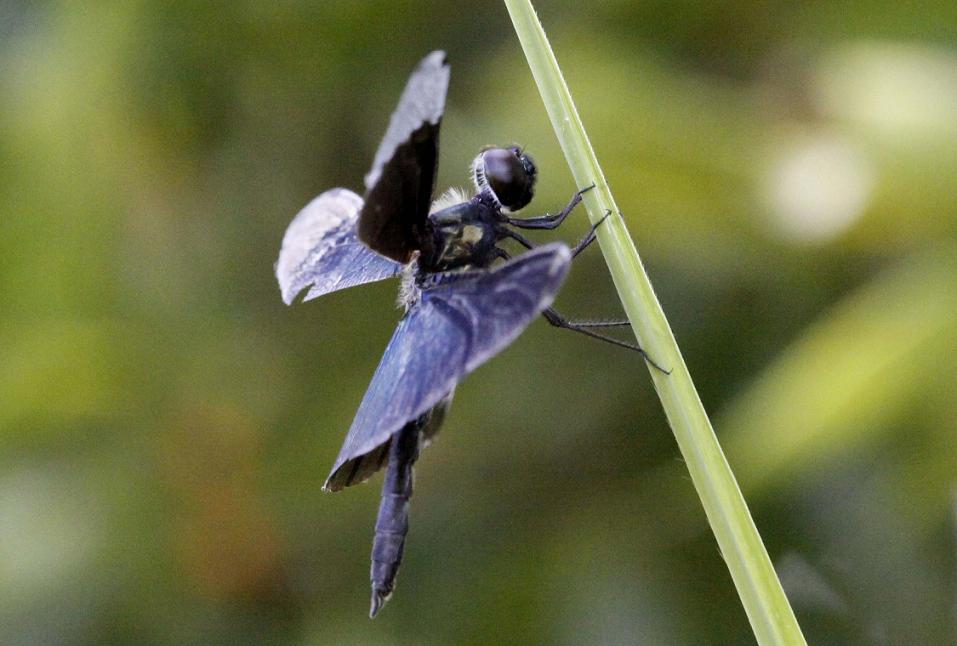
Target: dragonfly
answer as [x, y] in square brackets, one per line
[464, 297]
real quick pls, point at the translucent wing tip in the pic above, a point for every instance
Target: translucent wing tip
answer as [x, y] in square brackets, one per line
[422, 101]
[306, 238]
[320, 252]
[438, 58]
[563, 255]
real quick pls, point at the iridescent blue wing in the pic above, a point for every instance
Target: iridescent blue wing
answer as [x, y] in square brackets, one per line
[399, 186]
[321, 251]
[460, 321]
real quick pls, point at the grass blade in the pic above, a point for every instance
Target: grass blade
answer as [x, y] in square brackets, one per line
[754, 577]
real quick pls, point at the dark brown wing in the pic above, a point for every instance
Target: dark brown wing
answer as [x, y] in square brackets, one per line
[399, 186]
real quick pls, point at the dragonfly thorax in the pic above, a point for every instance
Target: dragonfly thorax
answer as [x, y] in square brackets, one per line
[462, 235]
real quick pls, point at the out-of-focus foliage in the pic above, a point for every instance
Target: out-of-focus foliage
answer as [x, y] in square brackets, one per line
[789, 171]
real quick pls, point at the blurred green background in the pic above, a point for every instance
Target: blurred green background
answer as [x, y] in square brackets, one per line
[788, 170]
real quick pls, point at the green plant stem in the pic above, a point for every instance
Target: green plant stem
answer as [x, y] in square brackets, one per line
[761, 594]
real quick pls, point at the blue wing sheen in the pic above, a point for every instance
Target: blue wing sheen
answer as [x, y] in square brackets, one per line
[460, 321]
[320, 250]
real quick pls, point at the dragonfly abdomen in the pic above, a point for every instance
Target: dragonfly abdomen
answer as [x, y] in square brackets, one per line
[392, 523]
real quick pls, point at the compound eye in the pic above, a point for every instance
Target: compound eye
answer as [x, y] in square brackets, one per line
[510, 175]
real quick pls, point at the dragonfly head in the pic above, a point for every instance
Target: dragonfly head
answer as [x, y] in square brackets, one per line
[507, 174]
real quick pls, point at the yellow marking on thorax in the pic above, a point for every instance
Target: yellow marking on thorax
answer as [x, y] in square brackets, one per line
[471, 234]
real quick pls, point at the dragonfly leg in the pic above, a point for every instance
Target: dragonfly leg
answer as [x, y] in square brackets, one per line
[550, 221]
[577, 249]
[501, 253]
[590, 236]
[584, 327]
[517, 237]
